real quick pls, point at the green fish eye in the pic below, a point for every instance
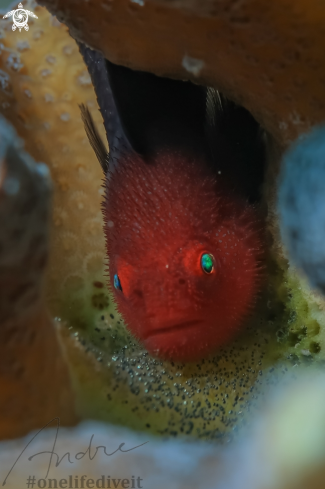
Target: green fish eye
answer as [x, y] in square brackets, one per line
[207, 263]
[117, 283]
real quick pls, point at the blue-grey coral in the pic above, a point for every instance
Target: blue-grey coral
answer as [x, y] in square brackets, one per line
[301, 205]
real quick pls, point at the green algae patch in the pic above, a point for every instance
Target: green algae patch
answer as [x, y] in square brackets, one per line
[116, 380]
[303, 336]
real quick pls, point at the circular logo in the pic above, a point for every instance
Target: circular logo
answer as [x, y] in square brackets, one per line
[20, 19]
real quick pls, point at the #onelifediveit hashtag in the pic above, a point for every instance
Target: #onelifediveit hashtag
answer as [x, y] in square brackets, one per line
[31, 481]
[84, 482]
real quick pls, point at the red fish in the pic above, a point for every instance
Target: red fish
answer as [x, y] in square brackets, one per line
[184, 247]
[184, 255]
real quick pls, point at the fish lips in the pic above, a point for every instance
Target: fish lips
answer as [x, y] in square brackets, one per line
[171, 336]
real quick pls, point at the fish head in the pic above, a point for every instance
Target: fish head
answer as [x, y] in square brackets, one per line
[183, 256]
[183, 302]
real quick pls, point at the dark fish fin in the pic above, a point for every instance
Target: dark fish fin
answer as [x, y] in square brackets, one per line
[213, 107]
[236, 143]
[117, 140]
[94, 138]
[146, 113]
[157, 112]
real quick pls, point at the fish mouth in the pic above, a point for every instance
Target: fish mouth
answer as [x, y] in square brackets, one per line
[172, 328]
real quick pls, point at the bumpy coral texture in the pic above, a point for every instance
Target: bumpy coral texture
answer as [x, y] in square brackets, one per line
[161, 218]
[42, 81]
[267, 56]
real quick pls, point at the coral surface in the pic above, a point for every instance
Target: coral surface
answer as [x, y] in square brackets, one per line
[42, 81]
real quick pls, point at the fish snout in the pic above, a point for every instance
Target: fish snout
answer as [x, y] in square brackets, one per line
[162, 298]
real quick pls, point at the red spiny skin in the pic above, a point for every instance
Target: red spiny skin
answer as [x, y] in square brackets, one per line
[159, 220]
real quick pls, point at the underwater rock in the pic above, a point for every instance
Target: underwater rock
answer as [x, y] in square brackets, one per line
[43, 108]
[34, 379]
[263, 55]
[113, 377]
[301, 205]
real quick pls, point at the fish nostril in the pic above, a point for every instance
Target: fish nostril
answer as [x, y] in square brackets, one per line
[181, 281]
[138, 293]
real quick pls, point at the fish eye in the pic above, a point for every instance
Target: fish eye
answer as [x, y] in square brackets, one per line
[207, 263]
[117, 283]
